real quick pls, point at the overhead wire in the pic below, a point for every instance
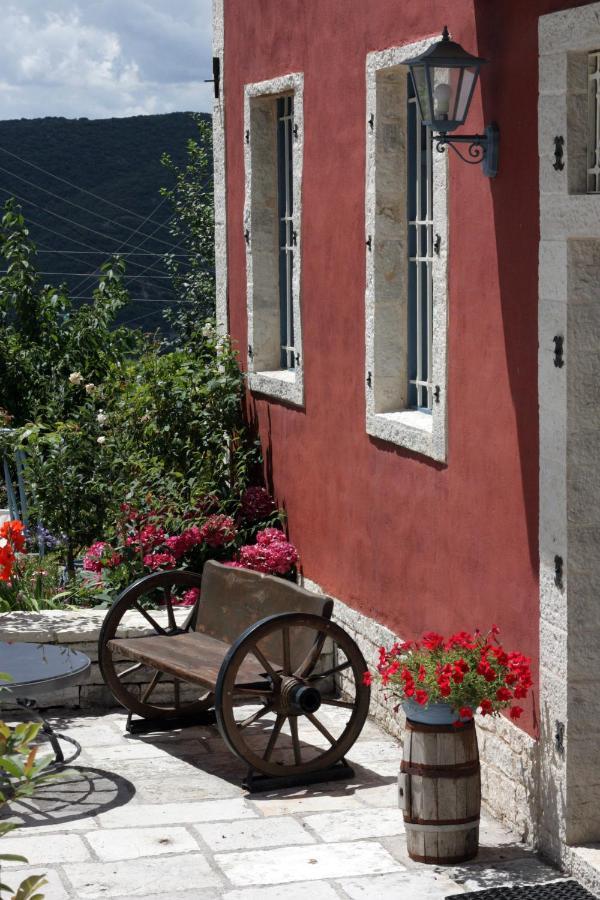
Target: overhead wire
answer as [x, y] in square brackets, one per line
[90, 212]
[71, 184]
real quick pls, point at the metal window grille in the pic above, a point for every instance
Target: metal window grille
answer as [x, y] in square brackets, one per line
[420, 257]
[593, 133]
[285, 115]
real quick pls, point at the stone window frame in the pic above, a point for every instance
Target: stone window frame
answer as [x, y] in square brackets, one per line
[569, 259]
[281, 384]
[387, 418]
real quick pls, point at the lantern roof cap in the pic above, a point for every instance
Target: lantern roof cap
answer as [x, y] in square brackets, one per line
[446, 54]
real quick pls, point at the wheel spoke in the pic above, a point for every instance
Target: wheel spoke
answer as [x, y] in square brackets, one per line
[274, 735]
[249, 720]
[155, 679]
[310, 660]
[345, 704]
[295, 741]
[252, 689]
[265, 663]
[340, 668]
[169, 605]
[285, 640]
[148, 618]
[121, 675]
[320, 727]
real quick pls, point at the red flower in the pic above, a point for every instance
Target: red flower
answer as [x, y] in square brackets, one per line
[270, 536]
[461, 639]
[432, 640]
[520, 692]
[422, 673]
[367, 679]
[503, 693]
[13, 530]
[218, 530]
[156, 561]
[422, 697]
[515, 712]
[495, 630]
[486, 707]
[101, 556]
[465, 712]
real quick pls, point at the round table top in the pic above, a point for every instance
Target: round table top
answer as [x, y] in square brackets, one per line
[40, 668]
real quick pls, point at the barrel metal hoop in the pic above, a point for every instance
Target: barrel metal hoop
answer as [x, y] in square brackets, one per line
[443, 860]
[460, 770]
[415, 824]
[442, 729]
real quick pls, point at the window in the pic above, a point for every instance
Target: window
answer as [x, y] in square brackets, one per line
[420, 256]
[285, 191]
[406, 260]
[272, 230]
[593, 131]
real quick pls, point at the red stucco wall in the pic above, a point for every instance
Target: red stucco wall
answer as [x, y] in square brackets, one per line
[414, 544]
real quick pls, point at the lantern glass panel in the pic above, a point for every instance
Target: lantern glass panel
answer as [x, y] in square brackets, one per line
[465, 89]
[420, 82]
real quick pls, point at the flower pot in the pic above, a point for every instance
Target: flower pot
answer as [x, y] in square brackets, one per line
[439, 786]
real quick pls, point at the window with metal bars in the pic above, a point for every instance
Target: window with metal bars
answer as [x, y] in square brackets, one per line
[285, 199]
[593, 132]
[420, 257]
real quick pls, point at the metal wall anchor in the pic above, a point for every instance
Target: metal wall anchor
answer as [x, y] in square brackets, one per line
[559, 144]
[558, 351]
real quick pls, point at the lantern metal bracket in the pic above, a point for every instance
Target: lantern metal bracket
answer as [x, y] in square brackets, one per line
[482, 148]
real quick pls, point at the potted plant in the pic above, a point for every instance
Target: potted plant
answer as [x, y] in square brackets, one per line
[441, 684]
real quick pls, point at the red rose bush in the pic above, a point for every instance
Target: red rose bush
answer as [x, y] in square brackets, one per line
[469, 672]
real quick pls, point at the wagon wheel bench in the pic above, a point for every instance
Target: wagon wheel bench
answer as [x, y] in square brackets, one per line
[262, 655]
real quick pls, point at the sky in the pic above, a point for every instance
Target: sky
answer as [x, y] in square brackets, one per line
[103, 58]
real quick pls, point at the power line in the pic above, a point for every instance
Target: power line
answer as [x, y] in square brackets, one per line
[78, 224]
[126, 242]
[73, 240]
[71, 184]
[85, 209]
[87, 252]
[85, 227]
[91, 274]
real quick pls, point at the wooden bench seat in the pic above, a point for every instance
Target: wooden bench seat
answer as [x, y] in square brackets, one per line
[192, 657]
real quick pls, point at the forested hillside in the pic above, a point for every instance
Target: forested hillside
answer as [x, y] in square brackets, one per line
[90, 188]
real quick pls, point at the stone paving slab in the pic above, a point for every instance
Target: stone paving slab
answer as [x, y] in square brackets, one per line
[164, 816]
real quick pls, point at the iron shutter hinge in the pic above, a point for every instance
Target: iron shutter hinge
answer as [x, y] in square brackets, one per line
[247, 236]
[216, 79]
[371, 121]
[368, 243]
[559, 144]
[436, 393]
[558, 351]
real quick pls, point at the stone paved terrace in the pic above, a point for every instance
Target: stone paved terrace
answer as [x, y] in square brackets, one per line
[163, 815]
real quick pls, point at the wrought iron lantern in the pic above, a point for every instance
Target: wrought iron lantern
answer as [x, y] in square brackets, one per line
[444, 77]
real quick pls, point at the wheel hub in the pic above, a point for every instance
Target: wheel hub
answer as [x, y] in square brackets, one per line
[297, 698]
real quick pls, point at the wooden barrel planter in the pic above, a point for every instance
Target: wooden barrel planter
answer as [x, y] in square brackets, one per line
[440, 792]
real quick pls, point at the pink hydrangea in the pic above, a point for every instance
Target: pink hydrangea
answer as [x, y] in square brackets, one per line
[276, 558]
[101, 556]
[270, 536]
[180, 544]
[149, 537]
[218, 530]
[189, 597]
[156, 561]
[256, 504]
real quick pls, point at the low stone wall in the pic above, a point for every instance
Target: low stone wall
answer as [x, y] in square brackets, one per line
[80, 630]
[509, 765]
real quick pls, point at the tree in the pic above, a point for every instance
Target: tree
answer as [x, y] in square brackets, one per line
[192, 228]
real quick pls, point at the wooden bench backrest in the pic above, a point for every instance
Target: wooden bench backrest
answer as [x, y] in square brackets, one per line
[233, 599]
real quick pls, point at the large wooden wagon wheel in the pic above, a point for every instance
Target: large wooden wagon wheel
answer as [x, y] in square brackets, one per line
[290, 722]
[134, 614]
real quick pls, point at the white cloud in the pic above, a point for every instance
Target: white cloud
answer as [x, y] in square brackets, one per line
[101, 59]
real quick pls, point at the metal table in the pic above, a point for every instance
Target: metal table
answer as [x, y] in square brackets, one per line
[37, 671]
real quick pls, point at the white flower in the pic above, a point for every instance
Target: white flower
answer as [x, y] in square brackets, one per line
[3, 543]
[90, 388]
[101, 439]
[221, 369]
[101, 418]
[75, 377]
[207, 330]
